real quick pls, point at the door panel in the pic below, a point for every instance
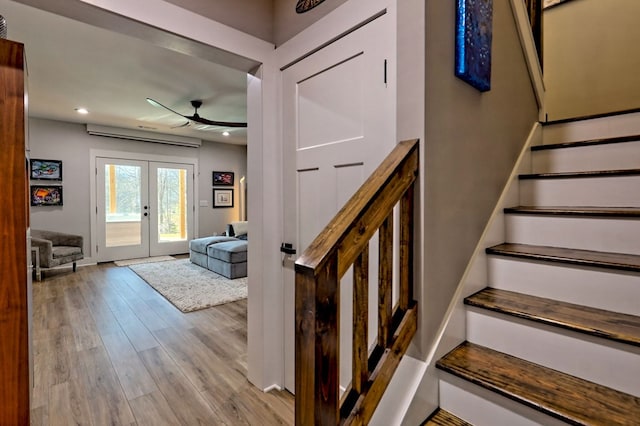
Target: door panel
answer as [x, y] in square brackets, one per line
[123, 230]
[330, 104]
[171, 220]
[339, 123]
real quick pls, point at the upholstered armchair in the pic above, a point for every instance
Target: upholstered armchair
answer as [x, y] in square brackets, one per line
[55, 248]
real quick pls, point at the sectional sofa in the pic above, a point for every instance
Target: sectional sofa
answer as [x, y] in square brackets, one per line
[225, 255]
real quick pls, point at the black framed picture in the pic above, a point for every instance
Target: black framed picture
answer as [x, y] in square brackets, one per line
[45, 169]
[222, 198]
[223, 178]
[46, 195]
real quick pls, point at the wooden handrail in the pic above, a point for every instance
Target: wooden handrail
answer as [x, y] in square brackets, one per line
[343, 243]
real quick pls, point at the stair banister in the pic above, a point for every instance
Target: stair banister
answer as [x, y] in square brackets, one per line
[345, 242]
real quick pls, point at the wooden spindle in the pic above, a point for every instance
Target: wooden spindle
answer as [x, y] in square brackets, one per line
[385, 278]
[360, 370]
[406, 248]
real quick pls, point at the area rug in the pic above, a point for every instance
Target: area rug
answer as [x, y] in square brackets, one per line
[189, 287]
[129, 262]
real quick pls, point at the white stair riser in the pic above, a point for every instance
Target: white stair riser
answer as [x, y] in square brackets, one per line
[618, 191]
[587, 233]
[598, 128]
[482, 407]
[608, 363]
[615, 156]
[596, 287]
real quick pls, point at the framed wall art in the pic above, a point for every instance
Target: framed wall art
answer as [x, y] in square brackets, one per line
[223, 179]
[222, 198]
[45, 169]
[46, 195]
[474, 32]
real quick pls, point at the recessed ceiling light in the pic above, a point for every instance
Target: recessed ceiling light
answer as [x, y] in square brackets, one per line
[82, 111]
[225, 133]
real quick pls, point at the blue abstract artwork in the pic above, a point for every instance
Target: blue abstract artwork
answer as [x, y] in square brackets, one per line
[473, 42]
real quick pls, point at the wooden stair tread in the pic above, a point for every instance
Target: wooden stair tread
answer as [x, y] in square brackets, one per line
[583, 319]
[621, 261]
[442, 417]
[628, 212]
[557, 394]
[587, 174]
[591, 142]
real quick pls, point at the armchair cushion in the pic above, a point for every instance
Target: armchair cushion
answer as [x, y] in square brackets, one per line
[56, 248]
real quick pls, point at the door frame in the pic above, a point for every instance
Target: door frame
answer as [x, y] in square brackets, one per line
[359, 44]
[124, 155]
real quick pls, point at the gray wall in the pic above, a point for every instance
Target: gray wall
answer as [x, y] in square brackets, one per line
[591, 58]
[472, 142]
[70, 143]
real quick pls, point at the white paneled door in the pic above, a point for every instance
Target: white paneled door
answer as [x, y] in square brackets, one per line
[144, 208]
[339, 123]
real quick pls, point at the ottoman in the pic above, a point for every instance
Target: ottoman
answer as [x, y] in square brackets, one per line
[228, 258]
[198, 248]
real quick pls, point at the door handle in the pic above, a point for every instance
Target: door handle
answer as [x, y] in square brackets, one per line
[288, 261]
[287, 248]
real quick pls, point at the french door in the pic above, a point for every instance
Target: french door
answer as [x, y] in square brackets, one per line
[144, 208]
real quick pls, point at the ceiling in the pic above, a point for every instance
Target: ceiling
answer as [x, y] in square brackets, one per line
[71, 64]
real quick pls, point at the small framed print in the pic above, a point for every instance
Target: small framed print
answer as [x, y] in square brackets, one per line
[45, 195]
[222, 198]
[45, 169]
[222, 178]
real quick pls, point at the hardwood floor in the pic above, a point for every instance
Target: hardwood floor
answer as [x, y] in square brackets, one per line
[109, 350]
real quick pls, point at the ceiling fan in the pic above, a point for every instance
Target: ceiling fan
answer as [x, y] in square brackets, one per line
[196, 117]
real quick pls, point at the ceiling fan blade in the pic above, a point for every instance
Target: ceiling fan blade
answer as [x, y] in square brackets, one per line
[186, 124]
[201, 120]
[159, 105]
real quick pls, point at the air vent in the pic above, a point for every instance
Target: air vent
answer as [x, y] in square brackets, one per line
[139, 135]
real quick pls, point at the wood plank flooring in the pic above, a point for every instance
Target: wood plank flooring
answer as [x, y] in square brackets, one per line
[109, 350]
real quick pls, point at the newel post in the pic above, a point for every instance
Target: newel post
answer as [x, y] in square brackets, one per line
[317, 344]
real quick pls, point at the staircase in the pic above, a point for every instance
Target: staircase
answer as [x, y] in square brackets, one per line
[555, 337]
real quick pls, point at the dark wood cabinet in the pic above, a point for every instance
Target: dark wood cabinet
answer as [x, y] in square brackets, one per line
[15, 279]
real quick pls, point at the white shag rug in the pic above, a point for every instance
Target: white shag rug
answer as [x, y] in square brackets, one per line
[189, 287]
[129, 262]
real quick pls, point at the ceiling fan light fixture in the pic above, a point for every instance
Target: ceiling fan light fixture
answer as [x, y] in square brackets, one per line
[81, 110]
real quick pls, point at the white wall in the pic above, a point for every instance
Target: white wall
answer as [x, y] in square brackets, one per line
[70, 143]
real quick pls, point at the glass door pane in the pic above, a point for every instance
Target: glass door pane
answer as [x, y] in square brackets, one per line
[172, 204]
[171, 212]
[123, 207]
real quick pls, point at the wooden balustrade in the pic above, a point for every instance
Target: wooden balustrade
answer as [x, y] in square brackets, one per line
[342, 244]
